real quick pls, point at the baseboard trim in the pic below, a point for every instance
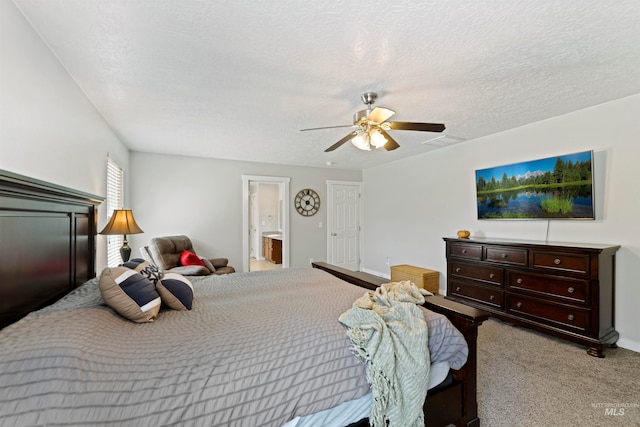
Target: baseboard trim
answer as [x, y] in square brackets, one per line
[629, 345]
[376, 273]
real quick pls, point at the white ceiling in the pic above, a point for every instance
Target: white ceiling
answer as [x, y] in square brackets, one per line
[239, 79]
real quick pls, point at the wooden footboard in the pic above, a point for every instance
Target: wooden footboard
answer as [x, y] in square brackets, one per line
[457, 403]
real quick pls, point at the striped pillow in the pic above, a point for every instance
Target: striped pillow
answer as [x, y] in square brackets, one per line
[148, 270]
[176, 291]
[130, 294]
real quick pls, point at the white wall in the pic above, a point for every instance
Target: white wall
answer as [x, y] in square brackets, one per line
[268, 201]
[202, 198]
[48, 128]
[410, 205]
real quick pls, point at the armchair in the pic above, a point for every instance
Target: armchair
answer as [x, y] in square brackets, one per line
[165, 252]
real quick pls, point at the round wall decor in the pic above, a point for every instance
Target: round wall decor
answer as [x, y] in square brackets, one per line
[307, 202]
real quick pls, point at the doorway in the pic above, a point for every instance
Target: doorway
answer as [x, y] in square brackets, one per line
[265, 221]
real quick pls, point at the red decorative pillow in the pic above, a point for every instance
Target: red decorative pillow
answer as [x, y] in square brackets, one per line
[189, 258]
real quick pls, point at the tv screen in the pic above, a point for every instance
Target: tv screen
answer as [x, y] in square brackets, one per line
[558, 187]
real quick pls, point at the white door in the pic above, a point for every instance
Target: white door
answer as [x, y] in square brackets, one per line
[343, 217]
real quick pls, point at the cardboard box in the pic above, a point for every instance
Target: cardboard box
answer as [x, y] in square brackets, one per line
[421, 277]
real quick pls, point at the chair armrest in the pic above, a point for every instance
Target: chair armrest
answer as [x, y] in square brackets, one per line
[219, 262]
[190, 270]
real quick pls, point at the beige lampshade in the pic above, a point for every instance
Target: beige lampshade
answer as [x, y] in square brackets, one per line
[122, 222]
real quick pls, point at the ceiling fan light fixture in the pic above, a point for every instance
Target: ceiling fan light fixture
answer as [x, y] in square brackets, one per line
[377, 139]
[362, 141]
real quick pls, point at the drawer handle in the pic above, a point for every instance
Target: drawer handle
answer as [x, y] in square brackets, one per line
[491, 276]
[458, 289]
[519, 304]
[458, 270]
[464, 251]
[571, 290]
[570, 317]
[519, 281]
[492, 297]
[504, 256]
[557, 261]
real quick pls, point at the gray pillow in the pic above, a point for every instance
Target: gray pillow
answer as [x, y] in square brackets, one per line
[208, 264]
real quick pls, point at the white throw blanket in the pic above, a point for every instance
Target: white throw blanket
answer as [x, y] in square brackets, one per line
[388, 331]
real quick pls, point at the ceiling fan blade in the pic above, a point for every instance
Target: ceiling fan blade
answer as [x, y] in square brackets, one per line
[391, 143]
[328, 127]
[425, 127]
[342, 141]
[380, 114]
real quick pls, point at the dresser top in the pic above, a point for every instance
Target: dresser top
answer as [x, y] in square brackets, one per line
[538, 243]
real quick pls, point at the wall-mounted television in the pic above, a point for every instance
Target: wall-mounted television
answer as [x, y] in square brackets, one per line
[559, 187]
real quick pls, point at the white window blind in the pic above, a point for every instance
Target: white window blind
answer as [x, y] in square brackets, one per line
[115, 200]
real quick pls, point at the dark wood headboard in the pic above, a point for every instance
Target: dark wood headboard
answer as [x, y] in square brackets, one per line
[47, 243]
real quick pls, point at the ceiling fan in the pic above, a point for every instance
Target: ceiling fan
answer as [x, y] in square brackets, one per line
[372, 126]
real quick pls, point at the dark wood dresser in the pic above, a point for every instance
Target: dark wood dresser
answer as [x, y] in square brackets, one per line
[564, 289]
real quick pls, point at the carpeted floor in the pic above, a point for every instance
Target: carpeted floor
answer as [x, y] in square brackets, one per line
[526, 378]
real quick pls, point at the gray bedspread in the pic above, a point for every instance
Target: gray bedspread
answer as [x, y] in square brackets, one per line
[257, 349]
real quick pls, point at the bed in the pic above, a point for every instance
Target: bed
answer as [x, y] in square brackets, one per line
[73, 360]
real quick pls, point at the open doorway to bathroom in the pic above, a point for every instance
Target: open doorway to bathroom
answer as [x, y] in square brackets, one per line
[265, 222]
[265, 226]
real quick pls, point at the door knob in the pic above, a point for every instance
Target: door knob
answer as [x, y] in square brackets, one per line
[334, 234]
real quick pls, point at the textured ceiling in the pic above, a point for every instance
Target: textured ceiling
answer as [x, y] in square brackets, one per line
[239, 79]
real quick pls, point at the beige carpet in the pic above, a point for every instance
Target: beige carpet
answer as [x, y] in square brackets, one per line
[529, 379]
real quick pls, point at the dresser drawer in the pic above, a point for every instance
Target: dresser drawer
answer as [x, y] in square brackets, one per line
[574, 319]
[561, 288]
[578, 263]
[466, 250]
[487, 296]
[488, 274]
[513, 256]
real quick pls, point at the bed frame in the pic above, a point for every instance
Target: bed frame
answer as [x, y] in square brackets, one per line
[48, 248]
[456, 403]
[47, 243]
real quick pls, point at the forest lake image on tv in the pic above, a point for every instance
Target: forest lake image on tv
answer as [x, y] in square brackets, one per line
[555, 187]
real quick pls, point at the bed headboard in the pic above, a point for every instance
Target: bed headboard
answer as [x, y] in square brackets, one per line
[47, 243]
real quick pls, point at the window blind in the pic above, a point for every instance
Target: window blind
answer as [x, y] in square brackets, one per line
[115, 200]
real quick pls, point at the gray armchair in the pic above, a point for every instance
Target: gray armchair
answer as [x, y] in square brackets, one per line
[165, 253]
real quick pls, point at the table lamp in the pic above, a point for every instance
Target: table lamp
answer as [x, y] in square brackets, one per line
[122, 222]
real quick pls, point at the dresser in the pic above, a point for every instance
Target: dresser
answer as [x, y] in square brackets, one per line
[563, 289]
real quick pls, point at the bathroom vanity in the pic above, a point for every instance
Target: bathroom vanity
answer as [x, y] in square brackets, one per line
[272, 247]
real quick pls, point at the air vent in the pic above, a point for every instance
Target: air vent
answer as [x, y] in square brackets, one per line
[442, 140]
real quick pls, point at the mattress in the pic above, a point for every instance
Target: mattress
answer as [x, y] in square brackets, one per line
[258, 349]
[354, 410]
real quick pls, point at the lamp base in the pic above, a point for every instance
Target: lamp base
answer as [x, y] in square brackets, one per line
[125, 250]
